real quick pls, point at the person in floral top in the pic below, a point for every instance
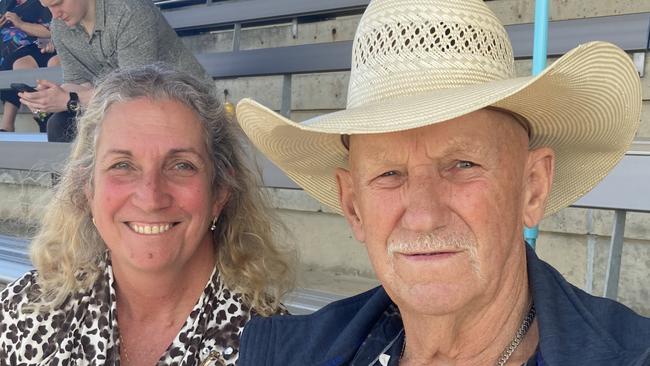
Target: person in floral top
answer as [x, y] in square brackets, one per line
[22, 24]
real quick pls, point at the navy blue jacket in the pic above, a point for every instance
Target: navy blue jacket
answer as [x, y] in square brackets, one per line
[575, 329]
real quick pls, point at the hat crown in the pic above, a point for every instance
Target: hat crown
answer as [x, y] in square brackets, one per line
[406, 45]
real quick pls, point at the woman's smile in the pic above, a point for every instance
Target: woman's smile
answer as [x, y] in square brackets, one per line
[150, 228]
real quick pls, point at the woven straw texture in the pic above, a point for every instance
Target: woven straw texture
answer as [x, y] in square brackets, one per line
[419, 62]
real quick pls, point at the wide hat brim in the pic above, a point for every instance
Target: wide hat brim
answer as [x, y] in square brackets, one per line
[585, 106]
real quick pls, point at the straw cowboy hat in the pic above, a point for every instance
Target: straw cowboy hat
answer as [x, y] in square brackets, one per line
[420, 62]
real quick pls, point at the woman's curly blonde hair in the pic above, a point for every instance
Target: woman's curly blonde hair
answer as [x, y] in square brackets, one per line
[67, 251]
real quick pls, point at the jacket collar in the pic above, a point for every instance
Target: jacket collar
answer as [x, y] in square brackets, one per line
[100, 15]
[566, 326]
[352, 338]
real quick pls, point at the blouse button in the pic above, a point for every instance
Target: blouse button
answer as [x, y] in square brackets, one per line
[214, 358]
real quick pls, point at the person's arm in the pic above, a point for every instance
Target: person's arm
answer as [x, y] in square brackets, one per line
[53, 98]
[84, 91]
[32, 29]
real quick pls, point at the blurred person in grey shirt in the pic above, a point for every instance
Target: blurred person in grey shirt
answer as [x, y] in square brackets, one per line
[95, 37]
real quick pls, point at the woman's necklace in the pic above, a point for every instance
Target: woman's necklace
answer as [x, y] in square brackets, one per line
[123, 350]
[519, 336]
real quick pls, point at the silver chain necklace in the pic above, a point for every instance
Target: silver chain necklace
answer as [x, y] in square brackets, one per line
[519, 336]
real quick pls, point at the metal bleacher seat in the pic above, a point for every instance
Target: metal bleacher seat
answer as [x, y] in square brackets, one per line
[621, 191]
[13, 258]
[168, 4]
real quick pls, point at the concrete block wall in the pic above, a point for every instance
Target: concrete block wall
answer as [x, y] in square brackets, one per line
[330, 257]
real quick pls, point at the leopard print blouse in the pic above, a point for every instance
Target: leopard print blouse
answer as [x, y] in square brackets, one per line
[83, 331]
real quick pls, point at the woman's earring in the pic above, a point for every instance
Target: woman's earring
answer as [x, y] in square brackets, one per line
[94, 223]
[214, 224]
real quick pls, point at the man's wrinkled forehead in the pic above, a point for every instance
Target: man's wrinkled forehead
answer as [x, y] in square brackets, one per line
[396, 148]
[504, 117]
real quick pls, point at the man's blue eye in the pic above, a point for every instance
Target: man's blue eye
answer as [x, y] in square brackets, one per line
[465, 164]
[388, 173]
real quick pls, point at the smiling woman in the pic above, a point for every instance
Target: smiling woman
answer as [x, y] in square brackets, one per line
[153, 202]
[157, 227]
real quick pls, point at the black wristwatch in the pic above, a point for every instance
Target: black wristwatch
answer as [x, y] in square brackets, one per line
[73, 103]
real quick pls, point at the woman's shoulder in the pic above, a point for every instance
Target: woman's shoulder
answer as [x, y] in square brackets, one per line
[13, 316]
[31, 334]
[26, 335]
[22, 291]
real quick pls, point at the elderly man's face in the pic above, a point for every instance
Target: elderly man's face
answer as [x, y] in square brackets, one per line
[441, 208]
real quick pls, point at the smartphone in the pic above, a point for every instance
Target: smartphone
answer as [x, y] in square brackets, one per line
[20, 87]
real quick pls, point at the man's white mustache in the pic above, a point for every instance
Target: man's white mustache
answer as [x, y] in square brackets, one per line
[429, 242]
[407, 242]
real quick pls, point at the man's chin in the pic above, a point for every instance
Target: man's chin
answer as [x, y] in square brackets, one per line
[434, 269]
[429, 298]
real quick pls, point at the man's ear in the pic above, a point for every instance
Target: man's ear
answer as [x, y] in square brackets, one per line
[347, 200]
[538, 179]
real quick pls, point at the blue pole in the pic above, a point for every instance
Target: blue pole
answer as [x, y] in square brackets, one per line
[540, 50]
[540, 41]
[530, 235]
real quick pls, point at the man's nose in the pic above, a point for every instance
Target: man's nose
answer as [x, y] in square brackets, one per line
[151, 193]
[427, 209]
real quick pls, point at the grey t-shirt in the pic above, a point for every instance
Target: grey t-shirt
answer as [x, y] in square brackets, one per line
[127, 33]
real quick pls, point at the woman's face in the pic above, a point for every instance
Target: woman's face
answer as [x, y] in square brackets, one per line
[153, 202]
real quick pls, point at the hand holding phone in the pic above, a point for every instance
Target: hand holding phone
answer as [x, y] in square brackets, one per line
[22, 88]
